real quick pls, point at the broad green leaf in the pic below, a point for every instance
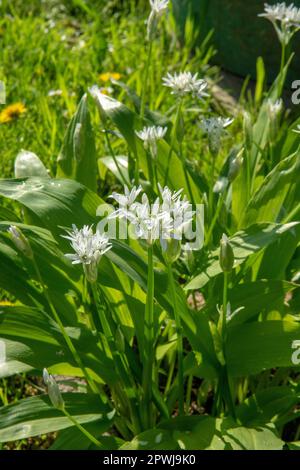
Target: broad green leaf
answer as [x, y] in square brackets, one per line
[28, 164]
[77, 158]
[267, 405]
[267, 204]
[34, 416]
[120, 171]
[244, 244]
[53, 203]
[257, 297]
[205, 433]
[254, 347]
[35, 340]
[128, 122]
[73, 439]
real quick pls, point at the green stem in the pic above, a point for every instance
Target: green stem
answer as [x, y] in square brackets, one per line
[186, 174]
[282, 65]
[215, 218]
[224, 311]
[114, 157]
[173, 140]
[179, 342]
[67, 338]
[145, 80]
[148, 340]
[211, 186]
[150, 169]
[121, 366]
[225, 376]
[82, 429]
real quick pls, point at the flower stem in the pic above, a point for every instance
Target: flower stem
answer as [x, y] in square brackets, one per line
[173, 140]
[148, 341]
[67, 338]
[225, 377]
[121, 365]
[179, 342]
[145, 80]
[111, 150]
[82, 429]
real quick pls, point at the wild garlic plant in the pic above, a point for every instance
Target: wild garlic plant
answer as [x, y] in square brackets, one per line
[179, 331]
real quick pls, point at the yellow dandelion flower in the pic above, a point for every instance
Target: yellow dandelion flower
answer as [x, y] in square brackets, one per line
[11, 112]
[106, 77]
[6, 303]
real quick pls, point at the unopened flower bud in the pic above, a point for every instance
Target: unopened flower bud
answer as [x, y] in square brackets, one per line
[235, 166]
[226, 255]
[53, 391]
[20, 241]
[248, 133]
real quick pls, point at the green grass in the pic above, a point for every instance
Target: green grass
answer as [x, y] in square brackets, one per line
[54, 48]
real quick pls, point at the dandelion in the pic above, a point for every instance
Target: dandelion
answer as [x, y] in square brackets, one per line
[158, 7]
[285, 19]
[11, 112]
[151, 135]
[214, 128]
[89, 247]
[108, 76]
[185, 83]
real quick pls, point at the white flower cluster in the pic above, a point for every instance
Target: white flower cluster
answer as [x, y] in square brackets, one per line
[185, 83]
[151, 135]
[88, 247]
[287, 16]
[214, 128]
[159, 6]
[165, 219]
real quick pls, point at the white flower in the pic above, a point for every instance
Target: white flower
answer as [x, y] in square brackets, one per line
[274, 108]
[180, 210]
[150, 136]
[159, 6]
[157, 9]
[287, 16]
[88, 247]
[185, 83]
[129, 196]
[214, 128]
[165, 219]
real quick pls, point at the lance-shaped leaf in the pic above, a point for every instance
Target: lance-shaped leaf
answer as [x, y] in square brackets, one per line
[34, 416]
[77, 158]
[244, 244]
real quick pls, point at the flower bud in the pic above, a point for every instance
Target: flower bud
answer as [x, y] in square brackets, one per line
[247, 126]
[53, 391]
[226, 254]
[20, 241]
[235, 166]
